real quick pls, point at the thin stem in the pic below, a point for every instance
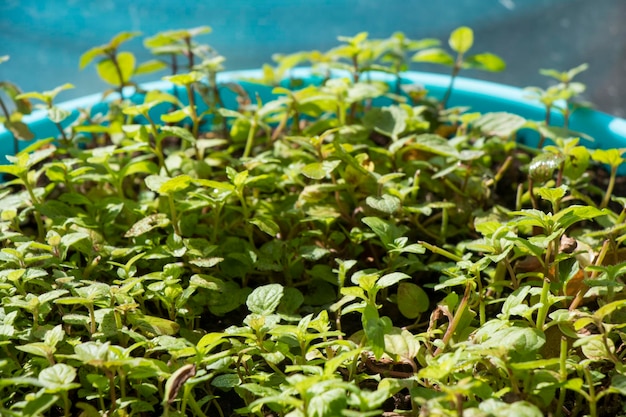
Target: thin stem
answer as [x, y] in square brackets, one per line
[174, 215]
[593, 412]
[456, 319]
[118, 70]
[455, 71]
[609, 188]
[8, 117]
[35, 201]
[542, 313]
[250, 139]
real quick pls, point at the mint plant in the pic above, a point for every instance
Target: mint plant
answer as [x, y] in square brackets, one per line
[327, 246]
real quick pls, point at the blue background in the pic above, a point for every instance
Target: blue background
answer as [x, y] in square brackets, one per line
[46, 38]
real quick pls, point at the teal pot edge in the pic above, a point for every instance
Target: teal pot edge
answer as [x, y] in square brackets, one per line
[480, 96]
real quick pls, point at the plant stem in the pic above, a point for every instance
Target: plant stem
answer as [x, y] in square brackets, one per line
[455, 71]
[174, 215]
[593, 412]
[16, 147]
[118, 70]
[609, 188]
[456, 319]
[542, 313]
[250, 139]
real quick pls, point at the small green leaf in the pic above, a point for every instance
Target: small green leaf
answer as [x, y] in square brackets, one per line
[266, 225]
[330, 402]
[121, 38]
[110, 73]
[434, 144]
[265, 299]
[226, 381]
[184, 79]
[612, 157]
[319, 170]
[57, 114]
[499, 124]
[461, 39]
[180, 132]
[58, 377]
[20, 130]
[153, 326]
[434, 56]
[389, 121]
[150, 66]
[175, 116]
[485, 62]
[387, 203]
[391, 279]
[375, 328]
[159, 220]
[412, 300]
[173, 185]
[90, 55]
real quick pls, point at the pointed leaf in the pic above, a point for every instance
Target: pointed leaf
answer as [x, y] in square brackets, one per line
[265, 299]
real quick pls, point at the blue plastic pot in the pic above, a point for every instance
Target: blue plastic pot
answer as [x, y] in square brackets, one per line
[481, 96]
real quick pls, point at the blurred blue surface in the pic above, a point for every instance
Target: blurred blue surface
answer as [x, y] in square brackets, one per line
[46, 38]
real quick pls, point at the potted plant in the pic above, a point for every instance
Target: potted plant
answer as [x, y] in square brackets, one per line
[349, 239]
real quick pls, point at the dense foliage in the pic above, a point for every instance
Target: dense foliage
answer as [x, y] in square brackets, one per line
[346, 247]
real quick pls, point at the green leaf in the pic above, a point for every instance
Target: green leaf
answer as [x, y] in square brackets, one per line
[23, 106]
[153, 326]
[387, 232]
[319, 170]
[38, 405]
[499, 124]
[391, 279]
[389, 121]
[121, 38]
[609, 309]
[266, 225]
[412, 300]
[175, 116]
[618, 384]
[485, 62]
[461, 39]
[20, 130]
[57, 114]
[402, 343]
[153, 221]
[180, 132]
[176, 184]
[59, 377]
[184, 79]
[38, 349]
[387, 203]
[110, 73]
[328, 402]
[265, 299]
[434, 56]
[150, 66]
[518, 339]
[226, 381]
[375, 328]
[612, 157]
[90, 55]
[434, 144]
[495, 408]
